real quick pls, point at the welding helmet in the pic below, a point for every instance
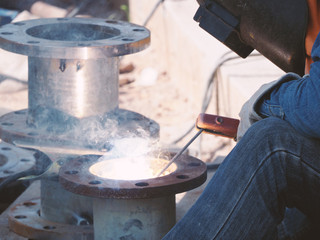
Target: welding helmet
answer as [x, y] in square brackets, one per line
[275, 28]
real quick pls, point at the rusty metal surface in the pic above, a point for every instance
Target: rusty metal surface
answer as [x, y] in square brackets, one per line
[25, 220]
[76, 177]
[73, 38]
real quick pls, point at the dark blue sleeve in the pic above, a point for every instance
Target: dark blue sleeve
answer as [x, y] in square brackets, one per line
[298, 101]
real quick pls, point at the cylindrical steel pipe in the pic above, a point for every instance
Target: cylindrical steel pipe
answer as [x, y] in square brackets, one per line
[77, 87]
[61, 206]
[133, 218]
[73, 64]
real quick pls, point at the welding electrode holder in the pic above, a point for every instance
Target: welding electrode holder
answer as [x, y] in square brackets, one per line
[218, 125]
[212, 124]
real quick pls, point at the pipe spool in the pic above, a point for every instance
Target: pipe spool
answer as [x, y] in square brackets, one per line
[73, 82]
[139, 208]
[73, 66]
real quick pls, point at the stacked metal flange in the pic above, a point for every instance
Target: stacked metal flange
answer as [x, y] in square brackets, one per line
[72, 109]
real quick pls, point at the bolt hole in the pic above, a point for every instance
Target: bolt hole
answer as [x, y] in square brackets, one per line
[8, 171]
[194, 164]
[20, 217]
[60, 162]
[19, 24]
[127, 39]
[25, 160]
[6, 149]
[6, 33]
[39, 213]
[6, 124]
[138, 30]
[73, 172]
[20, 112]
[182, 176]
[33, 134]
[29, 204]
[95, 182]
[142, 184]
[84, 160]
[49, 227]
[33, 42]
[84, 44]
[111, 21]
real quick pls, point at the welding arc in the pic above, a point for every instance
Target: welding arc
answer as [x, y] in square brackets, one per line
[180, 152]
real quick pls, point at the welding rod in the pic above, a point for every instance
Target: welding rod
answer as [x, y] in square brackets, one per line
[180, 152]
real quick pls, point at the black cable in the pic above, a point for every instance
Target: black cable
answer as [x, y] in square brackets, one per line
[152, 12]
[207, 96]
[42, 163]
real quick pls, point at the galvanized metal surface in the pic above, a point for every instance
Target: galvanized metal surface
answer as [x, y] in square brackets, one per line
[76, 177]
[77, 88]
[95, 133]
[14, 160]
[61, 206]
[134, 219]
[73, 38]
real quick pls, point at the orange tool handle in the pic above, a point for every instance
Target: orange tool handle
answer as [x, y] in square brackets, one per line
[218, 125]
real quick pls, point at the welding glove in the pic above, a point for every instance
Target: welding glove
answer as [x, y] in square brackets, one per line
[249, 111]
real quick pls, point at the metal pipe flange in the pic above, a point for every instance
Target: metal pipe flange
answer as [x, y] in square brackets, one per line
[73, 38]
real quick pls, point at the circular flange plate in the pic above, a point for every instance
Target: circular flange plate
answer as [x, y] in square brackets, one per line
[25, 220]
[14, 160]
[76, 177]
[117, 124]
[73, 38]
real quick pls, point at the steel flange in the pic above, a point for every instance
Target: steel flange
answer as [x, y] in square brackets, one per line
[76, 177]
[73, 38]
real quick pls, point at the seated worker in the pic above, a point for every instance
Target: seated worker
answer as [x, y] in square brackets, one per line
[268, 187]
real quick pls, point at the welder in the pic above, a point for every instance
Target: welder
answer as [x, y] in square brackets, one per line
[268, 187]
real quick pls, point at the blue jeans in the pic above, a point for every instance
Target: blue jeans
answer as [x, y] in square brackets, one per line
[273, 168]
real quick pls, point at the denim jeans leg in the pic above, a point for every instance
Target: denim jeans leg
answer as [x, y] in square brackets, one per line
[271, 168]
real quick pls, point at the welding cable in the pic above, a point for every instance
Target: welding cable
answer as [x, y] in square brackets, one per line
[42, 163]
[152, 12]
[78, 8]
[7, 181]
[208, 94]
[4, 77]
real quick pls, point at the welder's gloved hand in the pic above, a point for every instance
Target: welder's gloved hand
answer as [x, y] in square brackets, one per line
[249, 111]
[247, 114]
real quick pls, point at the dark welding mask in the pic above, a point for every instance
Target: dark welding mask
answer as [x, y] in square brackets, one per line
[275, 28]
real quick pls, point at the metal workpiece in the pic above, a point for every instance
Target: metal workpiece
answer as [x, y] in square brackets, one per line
[139, 208]
[75, 176]
[65, 134]
[73, 99]
[77, 88]
[61, 206]
[72, 63]
[73, 38]
[148, 218]
[25, 219]
[14, 160]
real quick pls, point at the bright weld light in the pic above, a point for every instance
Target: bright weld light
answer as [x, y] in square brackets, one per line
[130, 168]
